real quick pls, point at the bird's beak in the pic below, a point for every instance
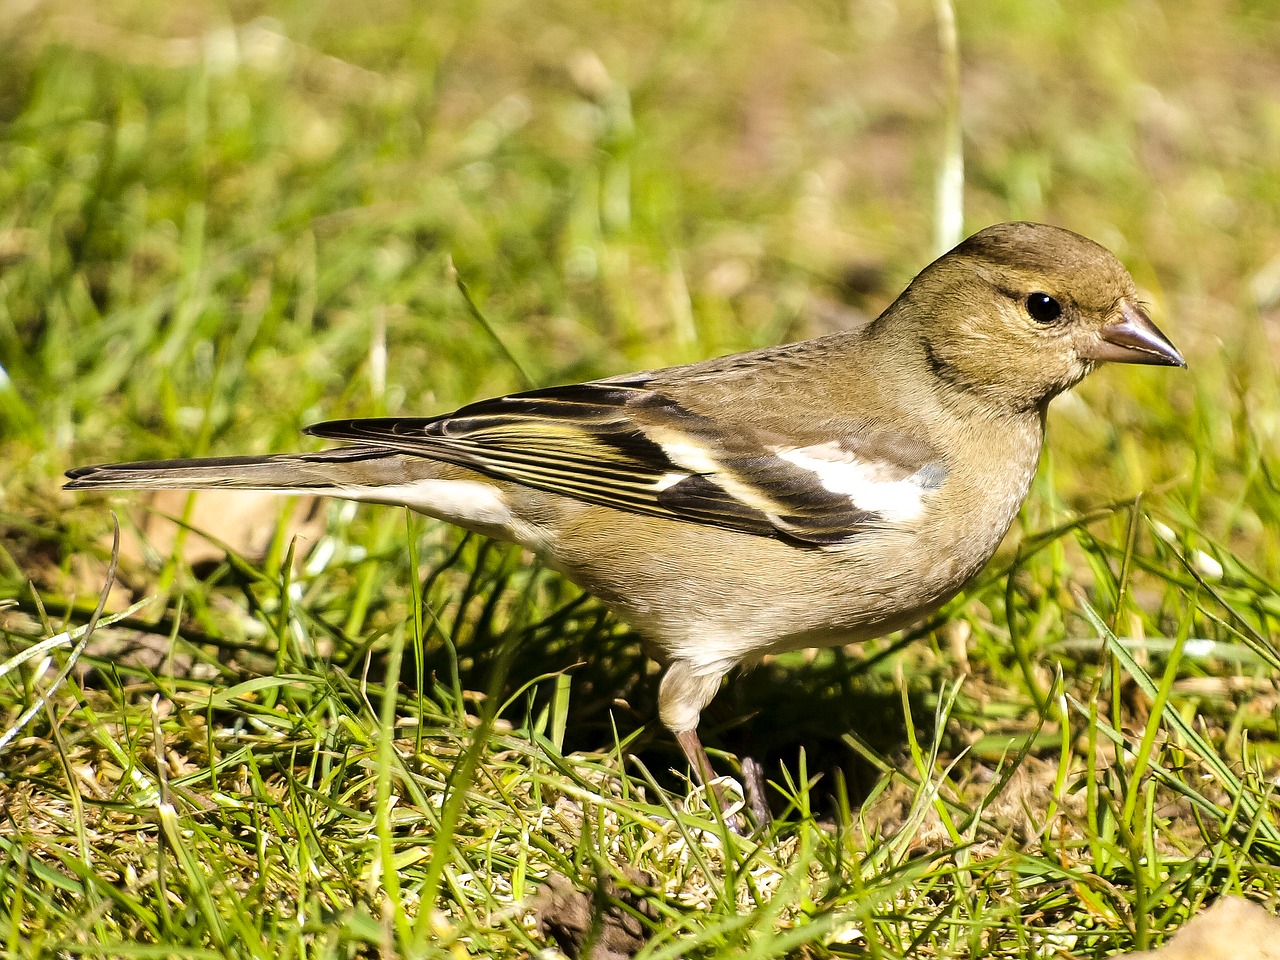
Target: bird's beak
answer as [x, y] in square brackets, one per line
[1133, 338]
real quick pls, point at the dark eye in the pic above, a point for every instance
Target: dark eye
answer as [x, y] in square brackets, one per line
[1043, 308]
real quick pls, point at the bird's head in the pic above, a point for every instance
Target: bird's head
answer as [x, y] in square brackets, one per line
[1020, 312]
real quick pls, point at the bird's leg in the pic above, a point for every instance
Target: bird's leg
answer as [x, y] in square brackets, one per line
[697, 757]
[683, 693]
[701, 764]
[681, 697]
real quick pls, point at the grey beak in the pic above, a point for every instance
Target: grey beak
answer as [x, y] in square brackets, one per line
[1133, 339]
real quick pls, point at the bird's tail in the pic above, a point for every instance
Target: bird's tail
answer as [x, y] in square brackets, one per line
[286, 472]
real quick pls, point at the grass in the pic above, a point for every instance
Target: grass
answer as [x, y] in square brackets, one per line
[362, 734]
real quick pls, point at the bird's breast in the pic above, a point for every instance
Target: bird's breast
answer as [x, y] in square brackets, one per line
[968, 515]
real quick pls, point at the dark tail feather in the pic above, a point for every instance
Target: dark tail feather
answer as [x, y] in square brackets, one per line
[289, 471]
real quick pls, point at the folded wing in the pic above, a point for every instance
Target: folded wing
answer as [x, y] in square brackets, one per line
[622, 444]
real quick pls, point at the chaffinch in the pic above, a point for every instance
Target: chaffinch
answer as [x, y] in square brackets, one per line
[804, 495]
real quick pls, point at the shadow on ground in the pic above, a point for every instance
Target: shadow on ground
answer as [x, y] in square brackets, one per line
[774, 713]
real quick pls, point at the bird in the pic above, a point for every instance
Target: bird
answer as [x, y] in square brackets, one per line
[811, 494]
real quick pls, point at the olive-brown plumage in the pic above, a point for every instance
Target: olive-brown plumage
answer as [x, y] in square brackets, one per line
[804, 495]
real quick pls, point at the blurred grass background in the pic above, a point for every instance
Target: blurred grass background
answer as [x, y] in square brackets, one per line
[220, 222]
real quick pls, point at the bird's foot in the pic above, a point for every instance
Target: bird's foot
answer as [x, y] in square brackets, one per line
[749, 794]
[726, 796]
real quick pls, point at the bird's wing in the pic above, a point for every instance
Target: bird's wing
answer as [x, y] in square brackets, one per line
[622, 444]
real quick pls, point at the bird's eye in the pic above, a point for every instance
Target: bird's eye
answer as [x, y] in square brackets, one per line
[1043, 308]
